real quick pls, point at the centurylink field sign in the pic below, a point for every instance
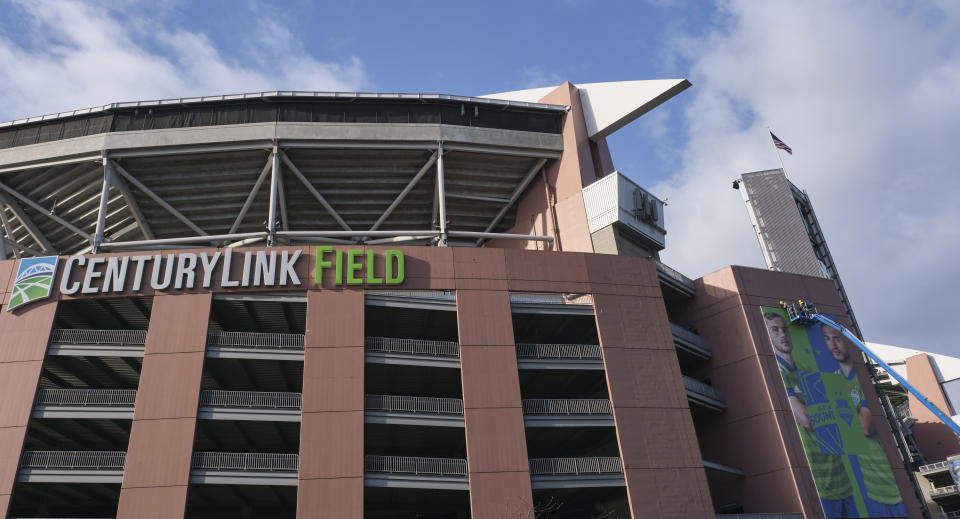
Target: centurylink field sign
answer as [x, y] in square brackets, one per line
[91, 275]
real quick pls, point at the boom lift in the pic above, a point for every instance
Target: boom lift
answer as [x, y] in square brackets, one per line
[806, 314]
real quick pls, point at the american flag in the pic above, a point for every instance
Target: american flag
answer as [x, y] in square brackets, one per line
[780, 145]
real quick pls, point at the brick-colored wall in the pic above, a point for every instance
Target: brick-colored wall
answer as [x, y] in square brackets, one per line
[157, 469]
[757, 432]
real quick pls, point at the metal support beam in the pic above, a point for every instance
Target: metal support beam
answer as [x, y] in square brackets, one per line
[498, 150]
[44, 211]
[253, 194]
[27, 223]
[122, 232]
[340, 145]
[337, 241]
[16, 248]
[354, 234]
[184, 150]
[190, 239]
[3, 248]
[532, 172]
[406, 191]
[396, 239]
[156, 198]
[124, 189]
[247, 241]
[478, 198]
[272, 211]
[441, 198]
[497, 235]
[102, 212]
[313, 191]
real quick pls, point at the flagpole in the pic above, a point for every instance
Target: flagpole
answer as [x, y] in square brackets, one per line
[778, 154]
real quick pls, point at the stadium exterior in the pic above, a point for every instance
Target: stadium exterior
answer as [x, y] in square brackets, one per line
[298, 304]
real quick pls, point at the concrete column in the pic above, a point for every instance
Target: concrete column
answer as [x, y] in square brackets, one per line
[935, 440]
[496, 450]
[157, 470]
[663, 468]
[23, 345]
[331, 426]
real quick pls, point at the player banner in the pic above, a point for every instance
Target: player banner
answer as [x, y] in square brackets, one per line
[849, 466]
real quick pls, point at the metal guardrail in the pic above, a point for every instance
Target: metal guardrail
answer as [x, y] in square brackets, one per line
[246, 462]
[567, 406]
[675, 276]
[943, 491]
[419, 466]
[268, 341]
[696, 386]
[689, 336]
[558, 351]
[86, 397]
[934, 467]
[413, 404]
[250, 399]
[575, 466]
[551, 298]
[116, 337]
[412, 346]
[80, 460]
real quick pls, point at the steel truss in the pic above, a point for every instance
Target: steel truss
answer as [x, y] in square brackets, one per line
[277, 230]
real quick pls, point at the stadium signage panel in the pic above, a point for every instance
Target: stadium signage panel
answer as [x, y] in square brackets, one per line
[352, 261]
[179, 271]
[92, 275]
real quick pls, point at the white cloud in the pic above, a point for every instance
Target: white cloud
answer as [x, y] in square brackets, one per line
[76, 55]
[537, 77]
[866, 94]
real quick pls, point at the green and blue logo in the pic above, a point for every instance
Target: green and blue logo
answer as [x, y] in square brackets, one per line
[34, 281]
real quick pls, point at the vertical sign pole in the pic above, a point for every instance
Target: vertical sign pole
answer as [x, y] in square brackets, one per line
[441, 197]
[104, 198]
[274, 188]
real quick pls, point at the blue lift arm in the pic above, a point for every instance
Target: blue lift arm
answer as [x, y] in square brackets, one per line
[807, 314]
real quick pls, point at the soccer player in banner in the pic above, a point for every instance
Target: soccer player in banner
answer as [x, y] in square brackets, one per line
[869, 462]
[849, 466]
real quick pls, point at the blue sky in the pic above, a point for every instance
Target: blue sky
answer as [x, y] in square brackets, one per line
[454, 47]
[864, 92]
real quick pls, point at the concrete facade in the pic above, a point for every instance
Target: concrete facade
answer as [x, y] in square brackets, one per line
[653, 451]
[658, 441]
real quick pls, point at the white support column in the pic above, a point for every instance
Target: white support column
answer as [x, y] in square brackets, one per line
[441, 198]
[272, 212]
[282, 203]
[102, 213]
[253, 194]
[3, 247]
